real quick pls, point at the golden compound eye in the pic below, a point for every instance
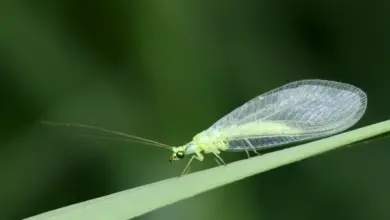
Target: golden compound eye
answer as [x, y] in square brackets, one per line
[180, 154]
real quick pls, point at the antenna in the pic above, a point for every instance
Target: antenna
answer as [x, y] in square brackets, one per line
[129, 138]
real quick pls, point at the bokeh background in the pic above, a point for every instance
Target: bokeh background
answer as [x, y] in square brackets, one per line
[168, 69]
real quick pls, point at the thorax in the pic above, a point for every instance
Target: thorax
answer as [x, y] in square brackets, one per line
[207, 142]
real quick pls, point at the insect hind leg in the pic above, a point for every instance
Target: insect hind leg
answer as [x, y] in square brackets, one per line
[247, 153]
[252, 147]
[254, 150]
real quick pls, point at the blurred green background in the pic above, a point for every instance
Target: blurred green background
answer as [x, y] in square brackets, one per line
[168, 69]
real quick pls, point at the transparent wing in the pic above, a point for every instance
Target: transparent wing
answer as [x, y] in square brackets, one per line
[297, 111]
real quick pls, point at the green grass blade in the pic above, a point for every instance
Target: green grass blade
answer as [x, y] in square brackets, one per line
[137, 201]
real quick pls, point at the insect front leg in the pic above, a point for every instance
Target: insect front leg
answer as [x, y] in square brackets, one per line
[197, 156]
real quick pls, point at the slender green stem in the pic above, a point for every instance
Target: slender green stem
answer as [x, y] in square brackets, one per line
[137, 201]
